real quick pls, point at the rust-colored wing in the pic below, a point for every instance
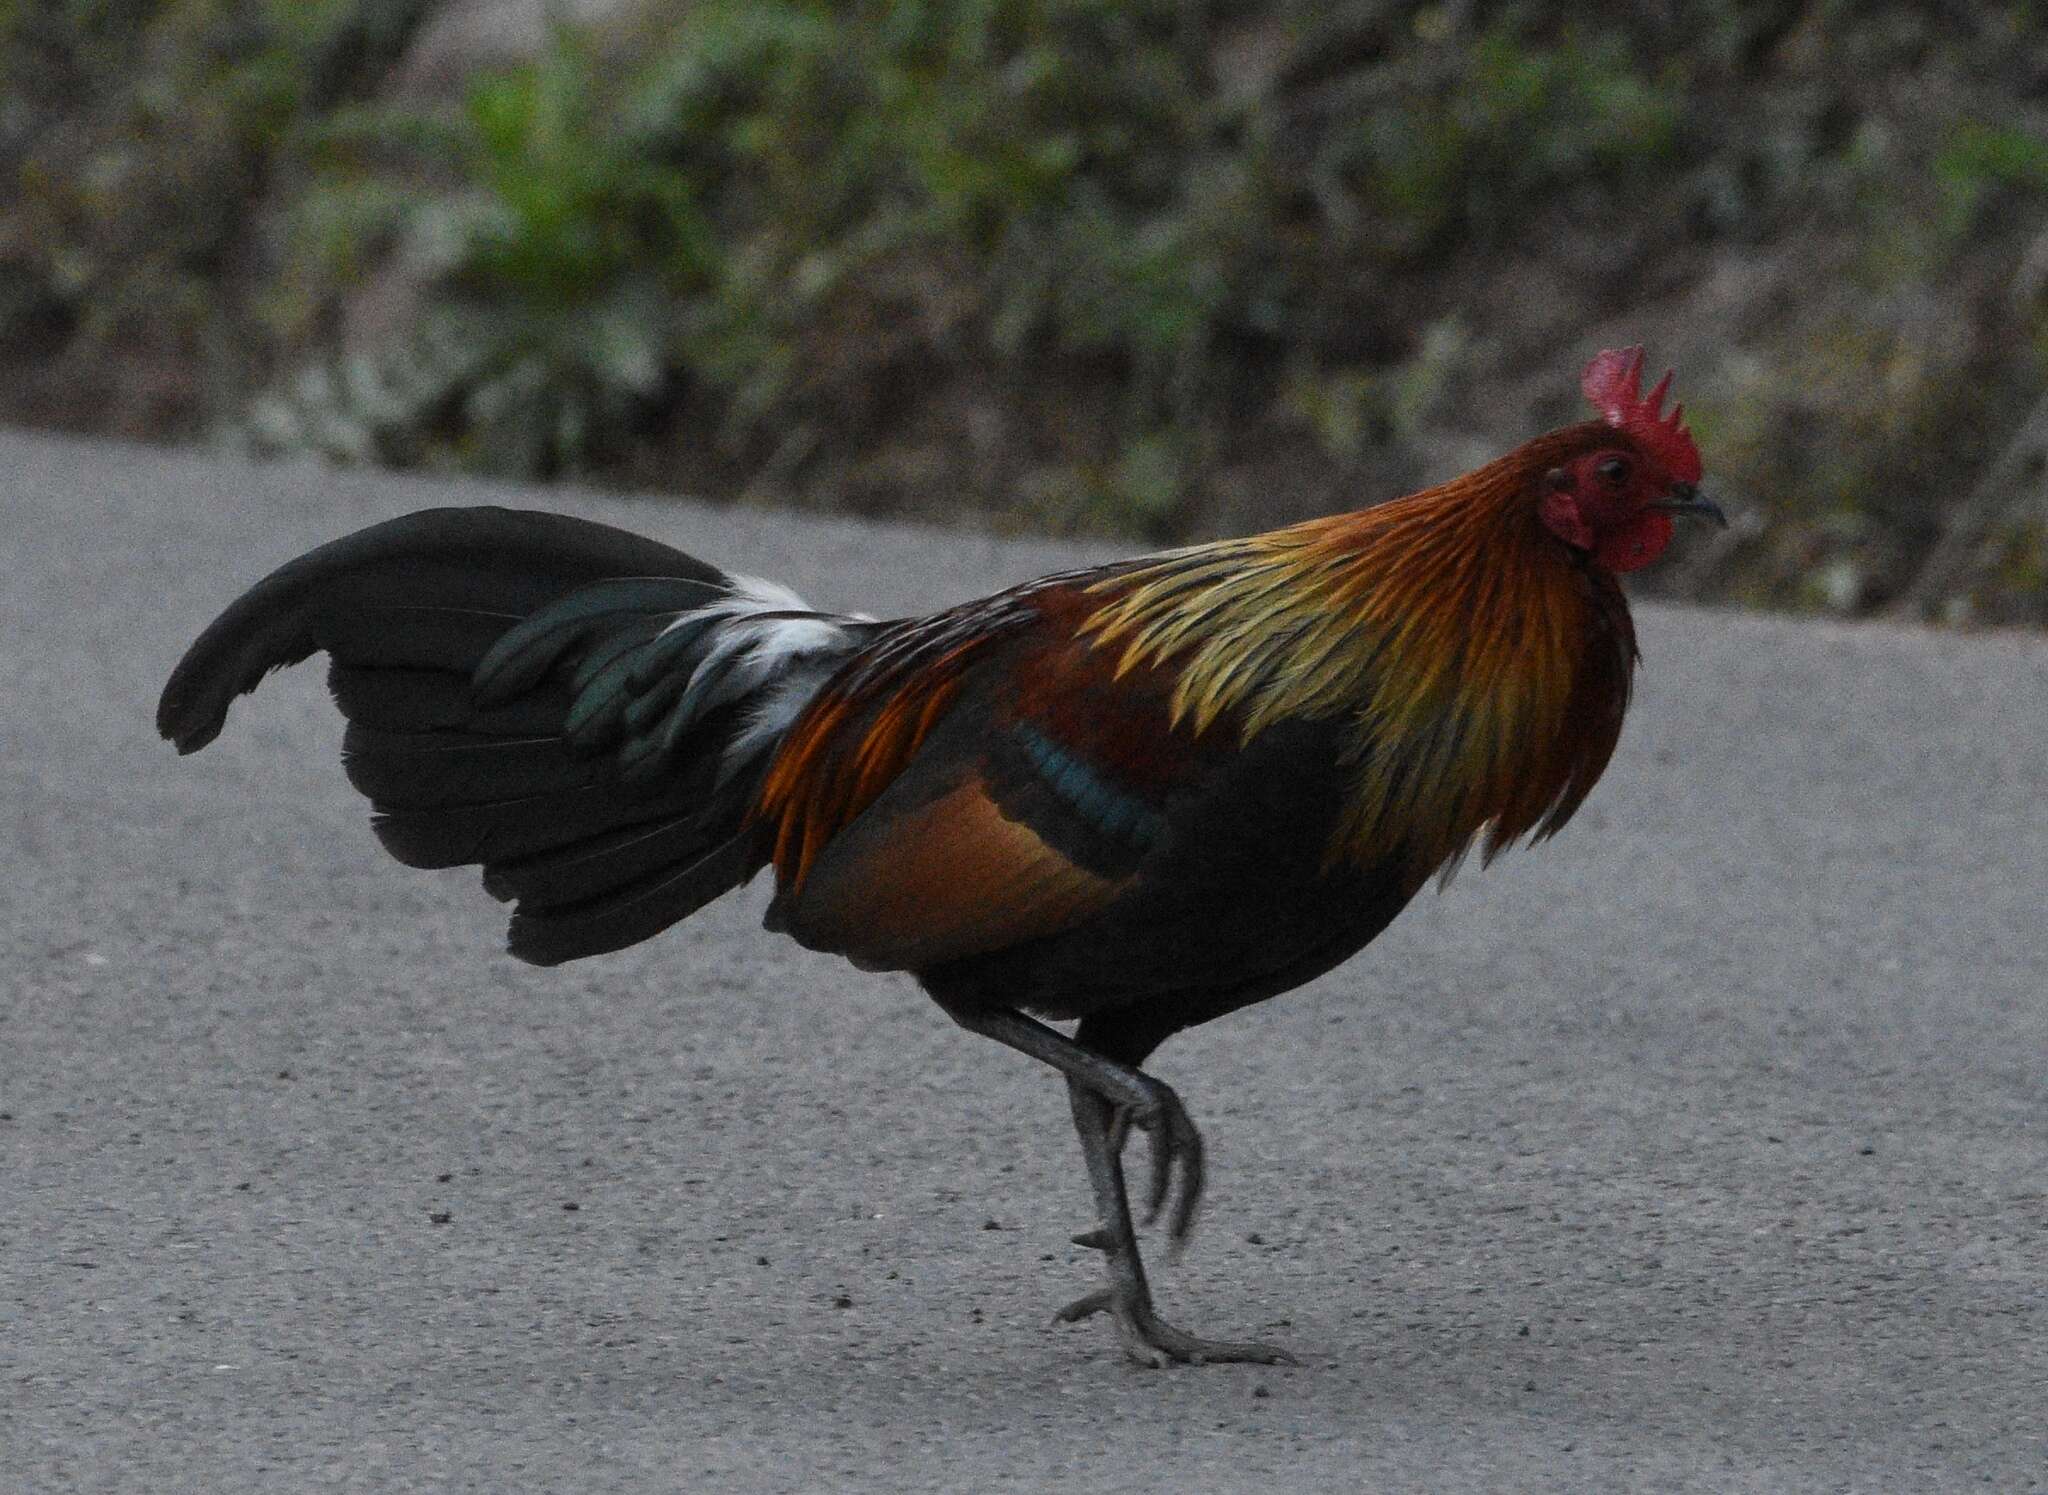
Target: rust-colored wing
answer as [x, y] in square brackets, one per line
[857, 734]
[976, 782]
[918, 881]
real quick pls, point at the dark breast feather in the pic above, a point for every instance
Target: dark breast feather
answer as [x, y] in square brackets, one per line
[1233, 904]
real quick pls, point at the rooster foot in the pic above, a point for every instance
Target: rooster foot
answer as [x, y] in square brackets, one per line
[1151, 1341]
[1176, 1146]
[1103, 1124]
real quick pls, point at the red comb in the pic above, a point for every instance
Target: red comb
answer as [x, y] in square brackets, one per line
[1614, 383]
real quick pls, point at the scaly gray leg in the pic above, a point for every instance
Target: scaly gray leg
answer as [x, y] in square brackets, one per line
[1107, 1098]
[1140, 1101]
[1147, 1338]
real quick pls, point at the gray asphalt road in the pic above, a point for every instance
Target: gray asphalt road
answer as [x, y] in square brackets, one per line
[1705, 1148]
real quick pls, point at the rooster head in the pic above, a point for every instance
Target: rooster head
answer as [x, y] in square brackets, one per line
[1616, 499]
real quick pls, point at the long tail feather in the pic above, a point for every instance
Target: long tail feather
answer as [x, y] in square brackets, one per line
[398, 699]
[582, 712]
[422, 770]
[452, 564]
[549, 935]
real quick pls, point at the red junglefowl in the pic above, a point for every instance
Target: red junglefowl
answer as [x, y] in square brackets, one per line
[1140, 795]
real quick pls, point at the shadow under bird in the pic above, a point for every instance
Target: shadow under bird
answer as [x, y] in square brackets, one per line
[1138, 796]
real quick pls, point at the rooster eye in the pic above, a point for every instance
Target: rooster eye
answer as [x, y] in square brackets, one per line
[1613, 469]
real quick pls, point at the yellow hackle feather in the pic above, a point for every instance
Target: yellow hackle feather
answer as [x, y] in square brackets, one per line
[1444, 630]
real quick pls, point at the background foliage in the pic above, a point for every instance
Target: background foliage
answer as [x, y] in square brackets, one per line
[1152, 267]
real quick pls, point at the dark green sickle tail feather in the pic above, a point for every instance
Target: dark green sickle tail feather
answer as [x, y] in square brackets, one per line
[580, 711]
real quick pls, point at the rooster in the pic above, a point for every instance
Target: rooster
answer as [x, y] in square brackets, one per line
[1137, 796]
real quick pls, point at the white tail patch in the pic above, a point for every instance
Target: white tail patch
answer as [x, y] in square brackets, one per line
[758, 594]
[768, 644]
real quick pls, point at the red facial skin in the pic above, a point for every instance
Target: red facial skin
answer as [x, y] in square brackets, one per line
[1600, 503]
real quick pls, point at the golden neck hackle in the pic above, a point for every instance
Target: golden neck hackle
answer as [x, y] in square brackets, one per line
[1445, 631]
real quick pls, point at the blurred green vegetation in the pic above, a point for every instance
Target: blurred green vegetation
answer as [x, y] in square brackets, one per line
[1151, 267]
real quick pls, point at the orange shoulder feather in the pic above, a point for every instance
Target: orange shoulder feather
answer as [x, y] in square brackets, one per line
[867, 723]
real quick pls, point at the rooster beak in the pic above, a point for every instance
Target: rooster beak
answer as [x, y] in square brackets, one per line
[1684, 498]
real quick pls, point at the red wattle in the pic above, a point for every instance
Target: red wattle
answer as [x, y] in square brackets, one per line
[1561, 516]
[1635, 544]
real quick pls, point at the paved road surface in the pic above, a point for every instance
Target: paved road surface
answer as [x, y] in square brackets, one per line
[1705, 1148]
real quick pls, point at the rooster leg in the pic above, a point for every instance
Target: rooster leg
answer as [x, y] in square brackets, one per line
[1107, 1094]
[1139, 1100]
[1147, 1338]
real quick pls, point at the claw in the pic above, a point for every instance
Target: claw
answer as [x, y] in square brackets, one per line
[1098, 1239]
[1160, 1177]
[1151, 1341]
[1175, 1141]
[1191, 1184]
[1080, 1308]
